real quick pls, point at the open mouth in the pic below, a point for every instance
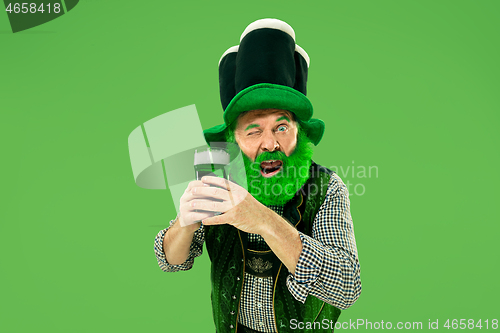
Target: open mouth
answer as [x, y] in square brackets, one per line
[270, 168]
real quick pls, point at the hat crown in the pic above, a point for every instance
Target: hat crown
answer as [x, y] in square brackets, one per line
[267, 54]
[271, 24]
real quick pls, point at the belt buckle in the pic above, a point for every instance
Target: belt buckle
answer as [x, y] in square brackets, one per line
[260, 264]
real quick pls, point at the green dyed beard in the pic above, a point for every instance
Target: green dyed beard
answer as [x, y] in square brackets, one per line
[282, 187]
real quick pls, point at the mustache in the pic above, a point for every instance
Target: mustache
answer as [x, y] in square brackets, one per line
[275, 155]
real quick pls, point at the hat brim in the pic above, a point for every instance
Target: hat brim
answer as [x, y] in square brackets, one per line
[269, 96]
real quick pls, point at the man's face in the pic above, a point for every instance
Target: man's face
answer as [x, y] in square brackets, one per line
[276, 155]
[268, 130]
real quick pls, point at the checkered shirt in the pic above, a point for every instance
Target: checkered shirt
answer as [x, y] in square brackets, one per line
[328, 266]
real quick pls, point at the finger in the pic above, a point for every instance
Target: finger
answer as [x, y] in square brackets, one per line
[211, 192]
[197, 216]
[225, 184]
[195, 194]
[188, 194]
[221, 182]
[216, 220]
[193, 184]
[211, 205]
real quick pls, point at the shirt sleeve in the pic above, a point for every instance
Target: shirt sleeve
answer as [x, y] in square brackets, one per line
[195, 250]
[328, 266]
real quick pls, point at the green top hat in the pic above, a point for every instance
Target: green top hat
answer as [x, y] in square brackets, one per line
[267, 70]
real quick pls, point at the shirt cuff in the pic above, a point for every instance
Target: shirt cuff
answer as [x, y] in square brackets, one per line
[162, 259]
[308, 268]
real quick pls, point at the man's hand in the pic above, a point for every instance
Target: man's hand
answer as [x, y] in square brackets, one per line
[189, 213]
[178, 239]
[240, 208]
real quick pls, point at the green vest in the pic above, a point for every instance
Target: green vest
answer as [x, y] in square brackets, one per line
[225, 249]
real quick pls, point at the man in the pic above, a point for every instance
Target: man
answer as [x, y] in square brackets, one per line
[283, 252]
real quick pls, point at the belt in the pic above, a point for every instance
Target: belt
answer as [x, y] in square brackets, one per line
[244, 329]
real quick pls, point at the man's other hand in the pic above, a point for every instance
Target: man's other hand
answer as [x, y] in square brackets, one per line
[240, 208]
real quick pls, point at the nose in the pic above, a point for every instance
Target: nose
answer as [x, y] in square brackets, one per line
[269, 142]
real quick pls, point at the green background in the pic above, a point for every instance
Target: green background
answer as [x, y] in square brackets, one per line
[408, 86]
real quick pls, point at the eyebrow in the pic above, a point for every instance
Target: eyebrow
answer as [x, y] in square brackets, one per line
[251, 126]
[256, 125]
[283, 117]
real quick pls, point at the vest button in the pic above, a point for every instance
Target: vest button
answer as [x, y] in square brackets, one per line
[234, 296]
[238, 278]
[232, 313]
[231, 326]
